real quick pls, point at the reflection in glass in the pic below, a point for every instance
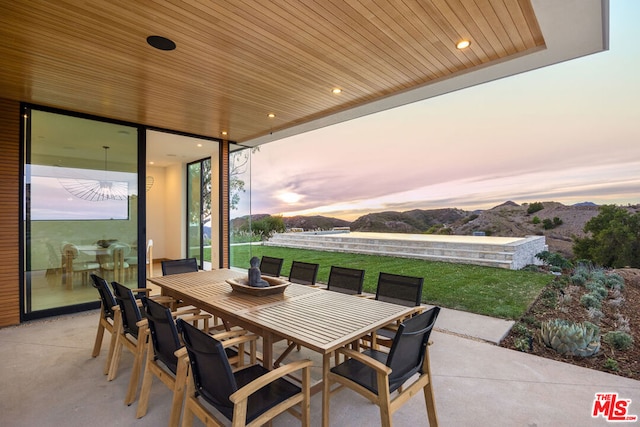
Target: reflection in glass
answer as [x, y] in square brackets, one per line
[240, 230]
[67, 237]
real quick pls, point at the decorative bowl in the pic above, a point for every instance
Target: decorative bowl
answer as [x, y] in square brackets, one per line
[277, 286]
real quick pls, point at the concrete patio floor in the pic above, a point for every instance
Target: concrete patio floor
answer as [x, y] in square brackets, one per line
[50, 379]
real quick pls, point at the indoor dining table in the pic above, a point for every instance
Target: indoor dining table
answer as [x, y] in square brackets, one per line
[314, 318]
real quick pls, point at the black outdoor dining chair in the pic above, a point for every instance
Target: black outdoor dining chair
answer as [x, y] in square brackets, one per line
[270, 266]
[131, 333]
[304, 273]
[107, 318]
[376, 374]
[170, 366]
[107, 314]
[396, 289]
[178, 266]
[345, 280]
[399, 289]
[243, 396]
[162, 360]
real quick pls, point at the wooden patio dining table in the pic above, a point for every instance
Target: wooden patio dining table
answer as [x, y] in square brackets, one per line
[314, 318]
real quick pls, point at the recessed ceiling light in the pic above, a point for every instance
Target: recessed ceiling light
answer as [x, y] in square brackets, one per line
[161, 43]
[463, 44]
[271, 115]
[152, 163]
[224, 132]
[199, 145]
[336, 90]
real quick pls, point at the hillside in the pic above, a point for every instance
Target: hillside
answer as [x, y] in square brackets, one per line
[415, 221]
[511, 219]
[508, 219]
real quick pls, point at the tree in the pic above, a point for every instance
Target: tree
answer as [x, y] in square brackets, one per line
[614, 240]
[268, 225]
[238, 166]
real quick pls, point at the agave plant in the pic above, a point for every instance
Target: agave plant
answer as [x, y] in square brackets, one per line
[578, 339]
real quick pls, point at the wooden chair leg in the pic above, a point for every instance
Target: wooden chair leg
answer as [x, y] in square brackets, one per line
[132, 390]
[187, 414]
[428, 391]
[182, 376]
[117, 347]
[112, 349]
[384, 401]
[99, 336]
[147, 380]
[431, 405]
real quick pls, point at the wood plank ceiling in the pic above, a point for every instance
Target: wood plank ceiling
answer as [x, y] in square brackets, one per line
[237, 61]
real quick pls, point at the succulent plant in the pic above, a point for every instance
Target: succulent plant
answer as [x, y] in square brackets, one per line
[578, 339]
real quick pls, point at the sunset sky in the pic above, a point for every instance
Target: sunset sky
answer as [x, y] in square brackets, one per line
[568, 133]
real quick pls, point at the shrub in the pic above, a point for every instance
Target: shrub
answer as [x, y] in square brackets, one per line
[535, 220]
[521, 330]
[611, 364]
[599, 275]
[614, 281]
[553, 259]
[578, 279]
[523, 344]
[535, 207]
[598, 289]
[612, 238]
[595, 314]
[590, 300]
[619, 340]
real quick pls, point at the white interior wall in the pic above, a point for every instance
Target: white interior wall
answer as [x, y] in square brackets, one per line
[175, 212]
[156, 211]
[166, 200]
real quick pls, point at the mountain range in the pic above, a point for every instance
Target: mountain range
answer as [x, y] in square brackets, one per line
[557, 222]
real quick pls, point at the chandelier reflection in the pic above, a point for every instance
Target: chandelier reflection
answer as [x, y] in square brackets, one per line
[97, 190]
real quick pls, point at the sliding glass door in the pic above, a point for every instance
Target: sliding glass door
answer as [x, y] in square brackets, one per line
[80, 207]
[199, 212]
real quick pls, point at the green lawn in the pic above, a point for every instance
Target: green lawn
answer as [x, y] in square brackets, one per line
[490, 291]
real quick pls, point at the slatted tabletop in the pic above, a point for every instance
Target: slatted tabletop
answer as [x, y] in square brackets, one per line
[314, 318]
[323, 320]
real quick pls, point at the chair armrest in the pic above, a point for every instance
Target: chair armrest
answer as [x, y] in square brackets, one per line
[370, 362]
[194, 317]
[181, 352]
[230, 334]
[194, 311]
[144, 290]
[237, 340]
[255, 385]
[142, 323]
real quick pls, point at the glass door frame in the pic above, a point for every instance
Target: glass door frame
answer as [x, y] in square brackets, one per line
[26, 312]
[199, 205]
